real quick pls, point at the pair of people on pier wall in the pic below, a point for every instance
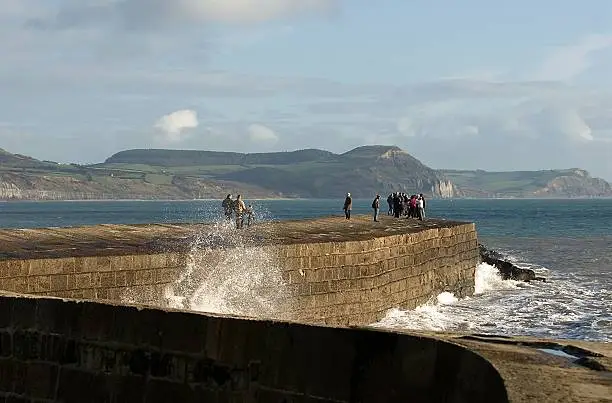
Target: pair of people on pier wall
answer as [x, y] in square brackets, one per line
[239, 209]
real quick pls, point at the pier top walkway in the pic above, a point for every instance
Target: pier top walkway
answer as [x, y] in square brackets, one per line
[114, 239]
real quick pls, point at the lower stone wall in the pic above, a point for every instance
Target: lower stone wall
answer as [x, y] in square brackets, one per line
[336, 283]
[65, 351]
[140, 277]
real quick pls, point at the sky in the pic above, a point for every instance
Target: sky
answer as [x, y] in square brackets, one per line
[471, 84]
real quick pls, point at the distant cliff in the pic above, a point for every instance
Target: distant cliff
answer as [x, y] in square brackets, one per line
[550, 183]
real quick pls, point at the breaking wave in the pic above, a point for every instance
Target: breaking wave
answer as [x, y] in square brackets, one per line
[229, 271]
[436, 314]
[560, 308]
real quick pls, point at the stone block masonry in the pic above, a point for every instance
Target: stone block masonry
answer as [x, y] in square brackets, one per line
[356, 282]
[93, 277]
[330, 272]
[65, 351]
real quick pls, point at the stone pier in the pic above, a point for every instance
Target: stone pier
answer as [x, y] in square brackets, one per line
[326, 271]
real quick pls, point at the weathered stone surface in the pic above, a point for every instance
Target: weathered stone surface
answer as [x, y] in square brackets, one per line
[95, 352]
[100, 241]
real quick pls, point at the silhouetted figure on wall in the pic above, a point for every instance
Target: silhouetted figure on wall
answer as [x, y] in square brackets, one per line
[348, 206]
[390, 203]
[227, 205]
[376, 206]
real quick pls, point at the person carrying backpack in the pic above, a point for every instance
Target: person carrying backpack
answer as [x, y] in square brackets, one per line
[376, 207]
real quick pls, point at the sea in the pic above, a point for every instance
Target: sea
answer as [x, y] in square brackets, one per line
[569, 242]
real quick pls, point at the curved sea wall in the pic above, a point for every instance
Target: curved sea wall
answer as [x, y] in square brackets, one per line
[321, 271]
[66, 351]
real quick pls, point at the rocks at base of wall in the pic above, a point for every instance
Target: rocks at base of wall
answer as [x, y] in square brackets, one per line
[508, 270]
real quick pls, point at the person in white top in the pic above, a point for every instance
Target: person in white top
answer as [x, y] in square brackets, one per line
[421, 208]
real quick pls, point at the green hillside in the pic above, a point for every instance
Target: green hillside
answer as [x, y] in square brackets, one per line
[188, 174]
[177, 158]
[363, 171]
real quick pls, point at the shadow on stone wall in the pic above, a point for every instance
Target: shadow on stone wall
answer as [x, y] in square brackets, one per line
[66, 351]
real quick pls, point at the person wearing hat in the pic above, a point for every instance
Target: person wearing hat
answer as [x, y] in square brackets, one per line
[348, 206]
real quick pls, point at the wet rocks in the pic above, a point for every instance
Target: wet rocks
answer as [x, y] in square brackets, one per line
[508, 270]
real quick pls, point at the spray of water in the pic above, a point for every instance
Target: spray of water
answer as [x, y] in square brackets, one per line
[440, 313]
[230, 271]
[487, 278]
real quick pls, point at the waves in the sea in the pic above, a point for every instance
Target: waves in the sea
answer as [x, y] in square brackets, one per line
[559, 308]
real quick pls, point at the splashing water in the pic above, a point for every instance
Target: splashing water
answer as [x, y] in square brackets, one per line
[440, 313]
[446, 298]
[487, 278]
[229, 271]
[559, 309]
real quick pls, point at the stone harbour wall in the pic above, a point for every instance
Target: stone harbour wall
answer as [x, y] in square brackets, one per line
[343, 283]
[141, 277]
[356, 282]
[53, 350]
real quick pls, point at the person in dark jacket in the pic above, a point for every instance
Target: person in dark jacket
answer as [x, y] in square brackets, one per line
[376, 207]
[227, 206]
[397, 205]
[390, 203]
[348, 206]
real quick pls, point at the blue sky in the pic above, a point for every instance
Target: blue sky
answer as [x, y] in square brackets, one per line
[469, 84]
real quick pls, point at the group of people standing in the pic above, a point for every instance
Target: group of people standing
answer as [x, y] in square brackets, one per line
[400, 204]
[239, 209]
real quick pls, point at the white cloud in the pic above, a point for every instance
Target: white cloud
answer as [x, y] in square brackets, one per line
[173, 126]
[262, 134]
[569, 61]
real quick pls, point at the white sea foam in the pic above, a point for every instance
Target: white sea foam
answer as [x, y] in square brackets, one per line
[446, 298]
[487, 279]
[228, 272]
[446, 312]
